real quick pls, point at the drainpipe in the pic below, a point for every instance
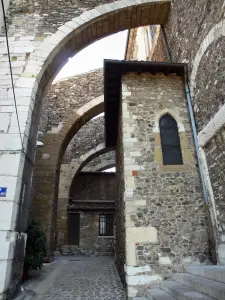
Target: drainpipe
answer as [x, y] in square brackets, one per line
[193, 125]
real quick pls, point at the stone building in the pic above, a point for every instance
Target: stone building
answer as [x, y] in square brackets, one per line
[41, 39]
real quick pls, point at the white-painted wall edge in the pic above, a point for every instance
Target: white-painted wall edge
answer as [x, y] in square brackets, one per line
[142, 279]
[6, 6]
[135, 270]
[211, 128]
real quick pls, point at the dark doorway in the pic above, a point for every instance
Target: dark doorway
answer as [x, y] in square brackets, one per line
[73, 237]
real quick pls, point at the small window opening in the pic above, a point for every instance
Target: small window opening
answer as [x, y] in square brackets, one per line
[106, 225]
[170, 141]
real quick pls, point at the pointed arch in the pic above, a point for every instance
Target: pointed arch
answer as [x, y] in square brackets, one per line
[170, 140]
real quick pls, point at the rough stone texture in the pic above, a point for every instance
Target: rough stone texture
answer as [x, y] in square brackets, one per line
[215, 154]
[210, 84]
[90, 241]
[159, 52]
[87, 138]
[187, 25]
[35, 64]
[78, 278]
[93, 186]
[66, 96]
[163, 204]
[86, 187]
[46, 17]
[102, 162]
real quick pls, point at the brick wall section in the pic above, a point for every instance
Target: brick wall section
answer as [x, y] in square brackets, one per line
[215, 154]
[163, 204]
[93, 186]
[66, 96]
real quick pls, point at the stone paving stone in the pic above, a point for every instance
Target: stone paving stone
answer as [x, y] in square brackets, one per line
[93, 278]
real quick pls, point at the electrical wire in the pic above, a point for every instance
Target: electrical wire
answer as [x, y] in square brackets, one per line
[14, 94]
[11, 74]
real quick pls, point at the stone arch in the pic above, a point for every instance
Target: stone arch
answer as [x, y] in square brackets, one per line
[48, 162]
[46, 61]
[106, 164]
[173, 114]
[214, 34]
[67, 178]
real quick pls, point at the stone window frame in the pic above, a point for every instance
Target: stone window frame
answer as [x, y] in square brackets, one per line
[165, 131]
[187, 155]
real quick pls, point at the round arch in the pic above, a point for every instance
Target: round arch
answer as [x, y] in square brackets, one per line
[66, 181]
[106, 164]
[46, 61]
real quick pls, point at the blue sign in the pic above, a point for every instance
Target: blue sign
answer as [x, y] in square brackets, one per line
[3, 191]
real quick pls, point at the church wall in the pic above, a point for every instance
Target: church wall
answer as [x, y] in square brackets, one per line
[165, 216]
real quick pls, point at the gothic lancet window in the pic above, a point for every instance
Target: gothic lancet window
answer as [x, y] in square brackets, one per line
[170, 141]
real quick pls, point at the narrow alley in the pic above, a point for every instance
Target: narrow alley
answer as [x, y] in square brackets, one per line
[77, 278]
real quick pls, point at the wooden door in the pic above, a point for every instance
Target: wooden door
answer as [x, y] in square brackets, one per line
[73, 237]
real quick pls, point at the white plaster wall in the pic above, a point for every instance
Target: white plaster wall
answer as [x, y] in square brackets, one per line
[6, 5]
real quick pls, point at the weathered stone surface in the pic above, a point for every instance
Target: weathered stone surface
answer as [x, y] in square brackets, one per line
[210, 83]
[215, 154]
[66, 96]
[172, 193]
[93, 186]
[86, 187]
[90, 241]
[88, 137]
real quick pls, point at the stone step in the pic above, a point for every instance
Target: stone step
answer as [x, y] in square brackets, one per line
[206, 286]
[157, 294]
[216, 273]
[182, 292]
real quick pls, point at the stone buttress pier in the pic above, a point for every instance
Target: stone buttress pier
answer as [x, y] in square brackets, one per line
[161, 221]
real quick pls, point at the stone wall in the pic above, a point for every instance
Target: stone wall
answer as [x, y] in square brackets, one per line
[93, 186]
[210, 83]
[102, 162]
[90, 241]
[88, 137]
[66, 96]
[87, 186]
[159, 52]
[46, 17]
[165, 216]
[37, 55]
[215, 154]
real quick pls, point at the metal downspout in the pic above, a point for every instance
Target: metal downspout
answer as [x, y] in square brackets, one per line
[193, 125]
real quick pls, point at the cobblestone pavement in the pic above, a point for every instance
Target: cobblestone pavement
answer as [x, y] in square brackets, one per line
[81, 278]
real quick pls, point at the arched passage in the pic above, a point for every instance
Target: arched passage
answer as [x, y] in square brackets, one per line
[48, 162]
[45, 62]
[67, 180]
